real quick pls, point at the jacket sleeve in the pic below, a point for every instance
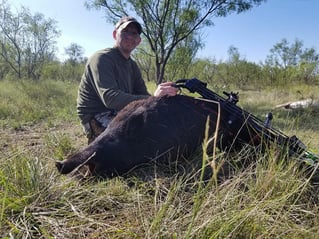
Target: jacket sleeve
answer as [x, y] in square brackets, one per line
[139, 84]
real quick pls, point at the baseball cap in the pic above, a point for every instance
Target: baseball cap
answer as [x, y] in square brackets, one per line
[125, 21]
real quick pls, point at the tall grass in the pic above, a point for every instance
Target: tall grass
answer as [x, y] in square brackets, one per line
[267, 198]
[29, 102]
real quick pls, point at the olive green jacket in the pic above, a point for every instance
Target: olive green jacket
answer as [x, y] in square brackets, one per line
[109, 82]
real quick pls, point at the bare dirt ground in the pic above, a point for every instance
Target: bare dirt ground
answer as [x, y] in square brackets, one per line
[39, 136]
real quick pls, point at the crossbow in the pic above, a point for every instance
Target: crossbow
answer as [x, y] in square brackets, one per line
[248, 128]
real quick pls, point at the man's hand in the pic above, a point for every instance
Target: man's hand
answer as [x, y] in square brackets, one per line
[166, 88]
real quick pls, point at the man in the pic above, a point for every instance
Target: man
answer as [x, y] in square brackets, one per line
[112, 79]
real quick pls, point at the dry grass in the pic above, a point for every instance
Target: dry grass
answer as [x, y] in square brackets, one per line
[267, 198]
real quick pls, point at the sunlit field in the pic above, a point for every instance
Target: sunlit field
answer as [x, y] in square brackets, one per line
[260, 196]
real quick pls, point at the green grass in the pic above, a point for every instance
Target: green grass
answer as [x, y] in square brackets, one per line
[26, 102]
[268, 198]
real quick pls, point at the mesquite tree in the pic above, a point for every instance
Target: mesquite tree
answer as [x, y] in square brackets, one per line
[291, 61]
[27, 41]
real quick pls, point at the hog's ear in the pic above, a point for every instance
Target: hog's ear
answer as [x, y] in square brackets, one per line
[134, 125]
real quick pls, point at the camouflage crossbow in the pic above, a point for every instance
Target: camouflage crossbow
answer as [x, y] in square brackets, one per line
[245, 128]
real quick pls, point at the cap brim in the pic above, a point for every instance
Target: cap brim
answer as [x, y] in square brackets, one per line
[125, 24]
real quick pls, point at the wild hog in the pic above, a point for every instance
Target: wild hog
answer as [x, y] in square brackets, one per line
[158, 127]
[145, 130]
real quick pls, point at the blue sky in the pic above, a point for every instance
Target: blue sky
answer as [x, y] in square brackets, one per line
[254, 32]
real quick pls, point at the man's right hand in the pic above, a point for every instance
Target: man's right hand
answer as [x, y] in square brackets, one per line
[166, 88]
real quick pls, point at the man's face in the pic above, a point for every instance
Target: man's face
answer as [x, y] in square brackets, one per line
[127, 39]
